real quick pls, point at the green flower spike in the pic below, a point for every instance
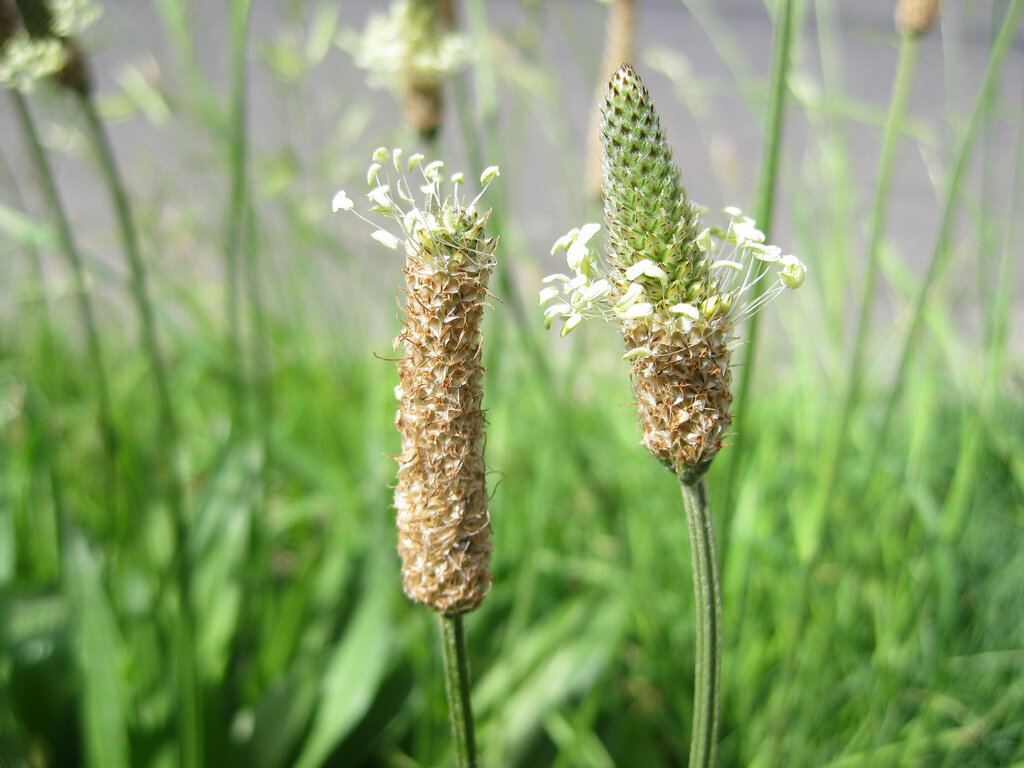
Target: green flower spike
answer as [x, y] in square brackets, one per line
[677, 290]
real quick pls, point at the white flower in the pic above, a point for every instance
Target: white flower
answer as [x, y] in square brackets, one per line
[686, 310]
[547, 294]
[647, 268]
[341, 202]
[643, 309]
[489, 173]
[630, 297]
[386, 238]
[737, 259]
[793, 272]
[432, 229]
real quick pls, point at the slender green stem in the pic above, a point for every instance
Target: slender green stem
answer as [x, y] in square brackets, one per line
[108, 434]
[980, 402]
[764, 207]
[235, 224]
[190, 712]
[811, 540]
[138, 280]
[987, 236]
[456, 675]
[999, 317]
[708, 608]
[48, 342]
[950, 194]
[855, 376]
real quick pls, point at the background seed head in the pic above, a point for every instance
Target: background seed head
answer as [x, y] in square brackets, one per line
[915, 16]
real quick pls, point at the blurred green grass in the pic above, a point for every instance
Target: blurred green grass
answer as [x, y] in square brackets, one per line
[912, 651]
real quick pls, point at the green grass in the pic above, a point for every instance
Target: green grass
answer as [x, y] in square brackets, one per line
[898, 643]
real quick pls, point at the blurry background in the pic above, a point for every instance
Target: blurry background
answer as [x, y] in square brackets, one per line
[873, 582]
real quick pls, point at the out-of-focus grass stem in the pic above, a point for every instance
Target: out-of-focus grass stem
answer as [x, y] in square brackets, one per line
[811, 539]
[190, 717]
[996, 321]
[108, 434]
[942, 245]
[764, 206]
[833, 456]
[48, 341]
[235, 224]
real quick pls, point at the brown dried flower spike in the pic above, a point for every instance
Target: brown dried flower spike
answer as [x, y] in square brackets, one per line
[441, 497]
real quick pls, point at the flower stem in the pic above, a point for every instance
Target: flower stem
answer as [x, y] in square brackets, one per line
[456, 674]
[65, 240]
[708, 609]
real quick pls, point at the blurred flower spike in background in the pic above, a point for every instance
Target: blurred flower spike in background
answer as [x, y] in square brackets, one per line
[28, 55]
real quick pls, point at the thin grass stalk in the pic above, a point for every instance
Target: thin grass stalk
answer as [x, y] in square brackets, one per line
[618, 48]
[987, 235]
[999, 318]
[235, 223]
[855, 376]
[942, 245]
[456, 677]
[190, 716]
[997, 321]
[40, 415]
[48, 343]
[707, 595]
[841, 205]
[263, 395]
[890, 141]
[139, 283]
[764, 208]
[87, 313]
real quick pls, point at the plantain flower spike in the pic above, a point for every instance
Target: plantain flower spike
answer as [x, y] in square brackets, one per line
[444, 531]
[37, 40]
[675, 288]
[411, 50]
[913, 17]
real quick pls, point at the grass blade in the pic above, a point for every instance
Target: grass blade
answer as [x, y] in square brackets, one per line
[354, 671]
